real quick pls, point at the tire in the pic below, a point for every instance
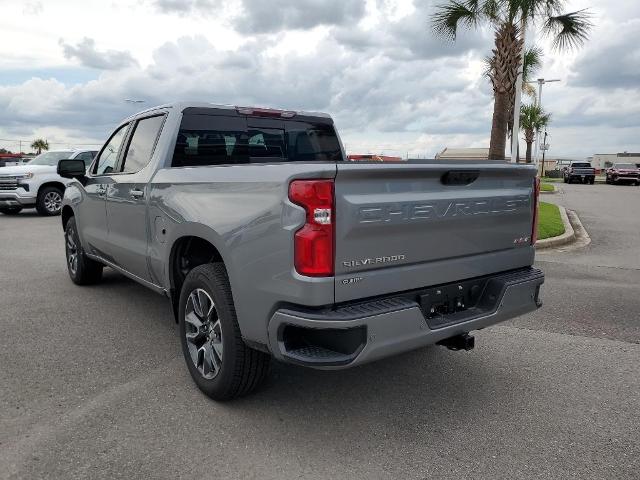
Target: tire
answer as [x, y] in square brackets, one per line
[82, 270]
[566, 180]
[49, 201]
[592, 181]
[606, 180]
[10, 210]
[232, 368]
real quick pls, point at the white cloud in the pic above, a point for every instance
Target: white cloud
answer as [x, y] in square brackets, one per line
[86, 53]
[376, 67]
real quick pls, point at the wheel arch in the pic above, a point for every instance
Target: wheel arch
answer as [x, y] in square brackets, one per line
[59, 185]
[66, 213]
[186, 253]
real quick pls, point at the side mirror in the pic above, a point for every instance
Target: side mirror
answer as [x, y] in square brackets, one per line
[71, 168]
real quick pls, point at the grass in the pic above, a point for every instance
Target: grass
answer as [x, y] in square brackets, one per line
[549, 221]
[546, 187]
[551, 180]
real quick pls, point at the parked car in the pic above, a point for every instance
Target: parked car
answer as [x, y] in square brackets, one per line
[623, 173]
[268, 242]
[581, 171]
[36, 184]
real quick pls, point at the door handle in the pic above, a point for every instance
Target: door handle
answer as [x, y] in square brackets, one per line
[135, 193]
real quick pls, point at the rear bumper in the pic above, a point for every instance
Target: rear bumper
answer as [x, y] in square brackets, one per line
[359, 333]
[15, 199]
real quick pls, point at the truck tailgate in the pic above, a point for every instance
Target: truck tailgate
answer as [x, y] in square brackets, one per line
[405, 226]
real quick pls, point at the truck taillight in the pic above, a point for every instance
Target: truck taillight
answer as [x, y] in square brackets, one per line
[536, 207]
[314, 242]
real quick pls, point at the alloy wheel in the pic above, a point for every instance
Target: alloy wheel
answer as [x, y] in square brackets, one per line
[203, 332]
[72, 252]
[53, 202]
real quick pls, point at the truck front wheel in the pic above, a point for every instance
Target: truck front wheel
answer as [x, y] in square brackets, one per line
[49, 201]
[82, 270]
[219, 361]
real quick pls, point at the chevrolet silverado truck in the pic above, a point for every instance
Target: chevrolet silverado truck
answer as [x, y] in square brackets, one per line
[581, 171]
[269, 243]
[36, 184]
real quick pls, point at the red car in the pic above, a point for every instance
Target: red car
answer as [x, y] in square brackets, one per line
[623, 172]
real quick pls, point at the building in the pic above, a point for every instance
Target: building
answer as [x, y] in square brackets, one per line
[463, 154]
[600, 161]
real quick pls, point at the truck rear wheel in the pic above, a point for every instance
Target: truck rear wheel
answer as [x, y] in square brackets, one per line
[49, 201]
[219, 361]
[82, 270]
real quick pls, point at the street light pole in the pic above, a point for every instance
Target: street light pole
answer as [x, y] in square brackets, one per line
[544, 150]
[515, 131]
[541, 81]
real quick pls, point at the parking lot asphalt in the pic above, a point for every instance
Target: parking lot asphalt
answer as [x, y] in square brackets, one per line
[93, 384]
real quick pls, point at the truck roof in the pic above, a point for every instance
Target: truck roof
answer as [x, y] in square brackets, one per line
[181, 106]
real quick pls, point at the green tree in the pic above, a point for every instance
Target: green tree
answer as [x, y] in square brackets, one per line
[532, 118]
[568, 30]
[39, 144]
[532, 63]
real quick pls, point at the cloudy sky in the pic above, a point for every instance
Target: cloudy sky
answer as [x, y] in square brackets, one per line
[66, 67]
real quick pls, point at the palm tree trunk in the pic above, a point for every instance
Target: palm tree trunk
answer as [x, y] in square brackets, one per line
[499, 126]
[504, 67]
[529, 151]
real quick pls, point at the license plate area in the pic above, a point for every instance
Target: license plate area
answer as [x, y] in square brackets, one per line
[446, 304]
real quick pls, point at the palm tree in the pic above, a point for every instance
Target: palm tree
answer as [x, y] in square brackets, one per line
[532, 118]
[532, 63]
[39, 144]
[506, 17]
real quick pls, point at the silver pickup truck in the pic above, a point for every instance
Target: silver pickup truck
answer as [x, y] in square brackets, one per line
[269, 243]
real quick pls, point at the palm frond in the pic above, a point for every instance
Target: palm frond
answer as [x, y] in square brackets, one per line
[569, 30]
[549, 8]
[487, 66]
[491, 9]
[533, 117]
[532, 62]
[450, 16]
[529, 90]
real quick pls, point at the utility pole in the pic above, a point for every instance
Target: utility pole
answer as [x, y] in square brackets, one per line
[515, 133]
[544, 150]
[538, 101]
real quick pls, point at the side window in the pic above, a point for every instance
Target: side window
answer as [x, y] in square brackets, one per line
[86, 157]
[310, 142]
[109, 156]
[266, 143]
[210, 140]
[142, 143]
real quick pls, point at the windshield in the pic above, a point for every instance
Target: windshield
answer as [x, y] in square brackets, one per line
[586, 165]
[50, 158]
[626, 165]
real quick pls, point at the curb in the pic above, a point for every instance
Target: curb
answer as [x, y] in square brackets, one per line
[568, 236]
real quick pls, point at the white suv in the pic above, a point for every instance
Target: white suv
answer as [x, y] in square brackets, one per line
[37, 183]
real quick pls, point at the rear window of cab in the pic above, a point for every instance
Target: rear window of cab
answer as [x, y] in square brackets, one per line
[228, 140]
